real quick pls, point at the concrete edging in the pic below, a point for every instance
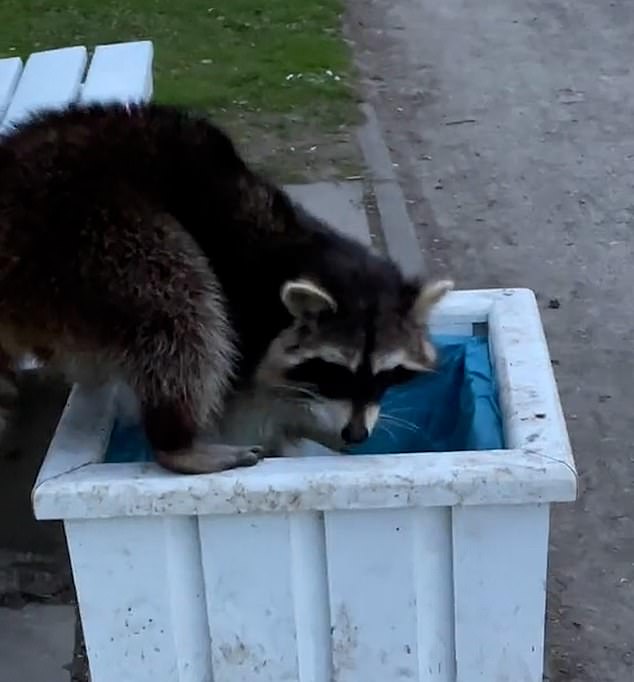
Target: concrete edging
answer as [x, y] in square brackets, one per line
[398, 230]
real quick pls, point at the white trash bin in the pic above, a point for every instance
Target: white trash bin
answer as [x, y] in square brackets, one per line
[424, 567]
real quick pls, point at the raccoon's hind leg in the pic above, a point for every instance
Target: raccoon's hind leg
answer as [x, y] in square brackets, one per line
[186, 395]
[180, 357]
[175, 438]
[140, 303]
[119, 289]
[183, 370]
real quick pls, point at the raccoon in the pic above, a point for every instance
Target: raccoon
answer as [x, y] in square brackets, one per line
[137, 246]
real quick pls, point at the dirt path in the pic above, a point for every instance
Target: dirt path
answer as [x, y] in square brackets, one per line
[512, 126]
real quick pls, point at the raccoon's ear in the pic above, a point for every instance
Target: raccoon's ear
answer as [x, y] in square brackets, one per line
[428, 296]
[304, 298]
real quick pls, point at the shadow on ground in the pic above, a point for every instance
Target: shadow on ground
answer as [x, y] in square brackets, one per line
[33, 559]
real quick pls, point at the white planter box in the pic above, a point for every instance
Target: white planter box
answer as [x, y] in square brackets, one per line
[324, 569]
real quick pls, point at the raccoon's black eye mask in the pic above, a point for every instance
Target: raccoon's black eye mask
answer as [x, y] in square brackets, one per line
[337, 382]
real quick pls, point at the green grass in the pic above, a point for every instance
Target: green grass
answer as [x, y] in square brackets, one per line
[276, 58]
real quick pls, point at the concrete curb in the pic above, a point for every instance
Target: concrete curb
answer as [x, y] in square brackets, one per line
[338, 203]
[398, 230]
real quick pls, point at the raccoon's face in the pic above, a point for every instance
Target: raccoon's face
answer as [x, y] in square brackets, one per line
[334, 363]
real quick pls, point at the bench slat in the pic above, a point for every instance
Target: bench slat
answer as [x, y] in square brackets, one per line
[10, 70]
[120, 72]
[50, 79]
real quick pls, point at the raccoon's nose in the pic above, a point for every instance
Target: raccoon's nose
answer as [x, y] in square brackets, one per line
[354, 433]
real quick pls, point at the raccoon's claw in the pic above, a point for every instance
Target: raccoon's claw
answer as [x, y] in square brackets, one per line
[207, 458]
[252, 455]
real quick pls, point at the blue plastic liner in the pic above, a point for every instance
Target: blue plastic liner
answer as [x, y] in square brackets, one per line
[454, 408]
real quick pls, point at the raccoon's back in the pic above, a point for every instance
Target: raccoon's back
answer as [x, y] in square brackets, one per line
[85, 219]
[61, 162]
[67, 176]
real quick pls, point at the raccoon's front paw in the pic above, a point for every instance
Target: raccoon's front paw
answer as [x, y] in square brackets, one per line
[209, 458]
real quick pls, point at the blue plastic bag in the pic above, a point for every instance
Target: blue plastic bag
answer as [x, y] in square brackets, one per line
[454, 408]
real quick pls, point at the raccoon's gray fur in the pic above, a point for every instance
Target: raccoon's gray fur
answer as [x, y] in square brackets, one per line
[137, 246]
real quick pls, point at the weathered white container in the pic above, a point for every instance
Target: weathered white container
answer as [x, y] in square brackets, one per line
[324, 569]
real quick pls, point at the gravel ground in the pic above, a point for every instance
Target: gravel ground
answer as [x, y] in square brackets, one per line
[511, 126]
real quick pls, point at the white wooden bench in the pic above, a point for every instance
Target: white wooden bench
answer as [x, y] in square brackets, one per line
[54, 78]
